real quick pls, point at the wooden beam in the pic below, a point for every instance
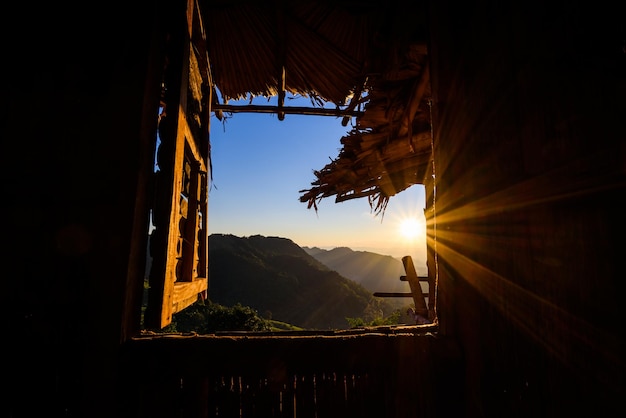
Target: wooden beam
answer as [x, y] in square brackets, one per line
[416, 289]
[421, 278]
[281, 56]
[186, 293]
[396, 294]
[294, 110]
[281, 95]
[414, 102]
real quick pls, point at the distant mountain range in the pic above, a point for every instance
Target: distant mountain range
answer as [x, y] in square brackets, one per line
[283, 281]
[373, 271]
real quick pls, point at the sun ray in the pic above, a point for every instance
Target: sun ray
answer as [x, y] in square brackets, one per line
[411, 228]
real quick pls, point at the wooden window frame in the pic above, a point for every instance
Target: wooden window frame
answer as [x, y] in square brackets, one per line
[179, 239]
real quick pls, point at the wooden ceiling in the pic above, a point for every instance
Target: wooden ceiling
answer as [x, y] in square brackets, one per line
[369, 59]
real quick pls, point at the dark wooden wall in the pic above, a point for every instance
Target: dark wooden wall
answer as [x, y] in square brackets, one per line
[74, 128]
[530, 165]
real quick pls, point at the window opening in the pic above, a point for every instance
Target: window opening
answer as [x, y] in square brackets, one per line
[187, 91]
[260, 163]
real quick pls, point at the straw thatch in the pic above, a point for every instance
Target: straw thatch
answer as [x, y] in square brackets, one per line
[359, 55]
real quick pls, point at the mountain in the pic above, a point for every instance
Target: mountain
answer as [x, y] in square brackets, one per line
[375, 272]
[281, 280]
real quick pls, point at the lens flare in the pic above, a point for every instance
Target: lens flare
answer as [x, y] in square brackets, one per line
[411, 228]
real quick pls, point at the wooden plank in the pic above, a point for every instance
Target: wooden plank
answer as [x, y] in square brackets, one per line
[396, 294]
[304, 388]
[416, 289]
[191, 142]
[186, 293]
[421, 278]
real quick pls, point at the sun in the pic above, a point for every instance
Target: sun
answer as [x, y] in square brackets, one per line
[411, 228]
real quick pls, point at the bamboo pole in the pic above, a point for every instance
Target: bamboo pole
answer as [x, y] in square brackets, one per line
[294, 110]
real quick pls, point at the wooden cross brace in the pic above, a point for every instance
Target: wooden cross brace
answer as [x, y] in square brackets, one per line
[414, 283]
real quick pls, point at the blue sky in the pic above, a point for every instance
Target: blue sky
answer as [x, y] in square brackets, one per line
[261, 163]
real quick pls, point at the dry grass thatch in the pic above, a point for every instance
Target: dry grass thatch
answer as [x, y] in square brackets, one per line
[368, 56]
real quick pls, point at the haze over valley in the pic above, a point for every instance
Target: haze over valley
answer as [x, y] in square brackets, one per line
[308, 287]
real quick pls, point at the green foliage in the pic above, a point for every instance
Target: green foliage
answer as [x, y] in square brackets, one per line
[356, 322]
[392, 319]
[207, 317]
[283, 326]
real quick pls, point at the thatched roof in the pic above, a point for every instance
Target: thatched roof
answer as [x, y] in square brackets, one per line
[367, 58]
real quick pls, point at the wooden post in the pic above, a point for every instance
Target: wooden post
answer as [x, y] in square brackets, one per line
[416, 288]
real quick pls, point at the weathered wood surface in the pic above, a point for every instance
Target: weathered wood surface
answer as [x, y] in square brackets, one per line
[375, 373]
[178, 243]
[416, 289]
[529, 177]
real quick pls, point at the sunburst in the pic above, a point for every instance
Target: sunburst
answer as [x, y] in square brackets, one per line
[411, 228]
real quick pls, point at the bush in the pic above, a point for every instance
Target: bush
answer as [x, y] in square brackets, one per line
[207, 317]
[392, 319]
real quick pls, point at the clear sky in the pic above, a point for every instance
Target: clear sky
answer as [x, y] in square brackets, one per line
[261, 163]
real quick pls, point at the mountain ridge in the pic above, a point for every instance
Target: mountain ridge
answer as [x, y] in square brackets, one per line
[282, 281]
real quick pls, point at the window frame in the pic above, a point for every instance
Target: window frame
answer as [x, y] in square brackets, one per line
[178, 240]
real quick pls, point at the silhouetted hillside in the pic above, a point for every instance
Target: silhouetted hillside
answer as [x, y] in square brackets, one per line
[375, 272]
[281, 280]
